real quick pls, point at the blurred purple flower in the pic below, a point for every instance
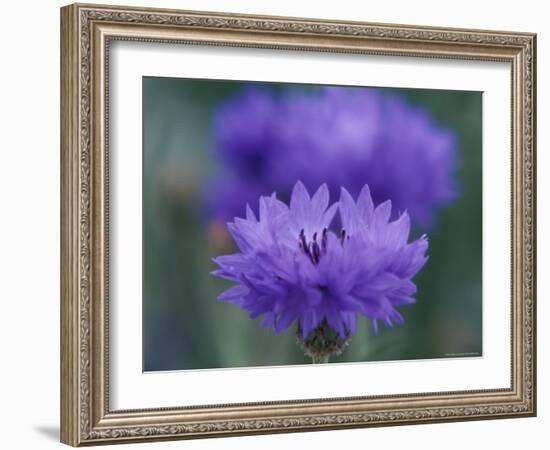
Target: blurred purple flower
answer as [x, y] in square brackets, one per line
[245, 131]
[340, 136]
[291, 267]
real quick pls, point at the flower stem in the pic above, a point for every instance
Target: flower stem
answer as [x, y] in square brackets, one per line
[320, 359]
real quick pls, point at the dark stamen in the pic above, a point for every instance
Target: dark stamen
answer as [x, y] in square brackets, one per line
[313, 249]
[303, 243]
[342, 236]
[316, 253]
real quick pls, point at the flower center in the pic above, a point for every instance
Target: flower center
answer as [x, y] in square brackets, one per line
[313, 249]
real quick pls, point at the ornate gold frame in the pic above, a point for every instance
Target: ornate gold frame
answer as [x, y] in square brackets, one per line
[86, 31]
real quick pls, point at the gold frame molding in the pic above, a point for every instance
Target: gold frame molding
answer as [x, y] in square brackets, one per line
[86, 31]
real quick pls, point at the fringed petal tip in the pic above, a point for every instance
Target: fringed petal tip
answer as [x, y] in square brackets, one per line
[250, 214]
[300, 192]
[234, 294]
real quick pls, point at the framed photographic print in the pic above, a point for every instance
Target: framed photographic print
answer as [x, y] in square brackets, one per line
[274, 224]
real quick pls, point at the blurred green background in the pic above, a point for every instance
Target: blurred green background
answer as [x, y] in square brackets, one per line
[185, 327]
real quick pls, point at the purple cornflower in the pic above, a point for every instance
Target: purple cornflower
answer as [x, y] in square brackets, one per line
[292, 267]
[340, 136]
[245, 130]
